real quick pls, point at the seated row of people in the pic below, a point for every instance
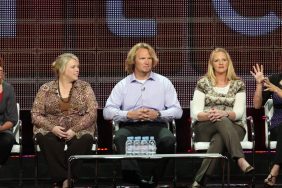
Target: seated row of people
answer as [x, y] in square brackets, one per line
[65, 112]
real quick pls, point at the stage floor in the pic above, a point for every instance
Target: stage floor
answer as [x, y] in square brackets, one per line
[185, 170]
[108, 184]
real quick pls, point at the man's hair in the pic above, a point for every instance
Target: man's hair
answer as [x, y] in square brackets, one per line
[59, 65]
[231, 75]
[131, 56]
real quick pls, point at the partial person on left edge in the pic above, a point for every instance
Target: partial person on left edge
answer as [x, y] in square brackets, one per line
[8, 116]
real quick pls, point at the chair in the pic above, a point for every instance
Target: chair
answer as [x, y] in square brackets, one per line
[268, 111]
[170, 125]
[17, 147]
[269, 144]
[38, 150]
[245, 143]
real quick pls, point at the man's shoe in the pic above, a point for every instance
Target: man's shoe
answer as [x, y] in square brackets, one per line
[131, 176]
[146, 184]
[196, 185]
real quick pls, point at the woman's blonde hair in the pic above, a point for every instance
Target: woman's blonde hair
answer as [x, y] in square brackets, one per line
[59, 65]
[231, 75]
[130, 60]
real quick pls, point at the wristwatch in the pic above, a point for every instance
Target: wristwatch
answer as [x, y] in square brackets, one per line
[159, 114]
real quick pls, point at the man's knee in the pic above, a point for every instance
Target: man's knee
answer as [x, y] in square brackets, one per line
[119, 143]
[119, 138]
[166, 144]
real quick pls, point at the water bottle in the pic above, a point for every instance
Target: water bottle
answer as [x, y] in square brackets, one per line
[144, 145]
[136, 145]
[152, 146]
[129, 145]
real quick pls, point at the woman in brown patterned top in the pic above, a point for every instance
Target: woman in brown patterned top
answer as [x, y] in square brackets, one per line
[64, 112]
[220, 103]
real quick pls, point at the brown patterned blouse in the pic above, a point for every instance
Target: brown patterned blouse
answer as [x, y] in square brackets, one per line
[217, 100]
[81, 117]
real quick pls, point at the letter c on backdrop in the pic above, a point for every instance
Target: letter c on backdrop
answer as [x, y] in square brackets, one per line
[246, 25]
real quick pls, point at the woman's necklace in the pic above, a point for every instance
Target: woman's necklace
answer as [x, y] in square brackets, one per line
[65, 100]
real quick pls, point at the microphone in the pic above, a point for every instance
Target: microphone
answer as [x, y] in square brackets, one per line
[143, 89]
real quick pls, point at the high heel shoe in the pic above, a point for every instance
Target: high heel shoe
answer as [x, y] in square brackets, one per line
[66, 183]
[270, 180]
[56, 185]
[249, 170]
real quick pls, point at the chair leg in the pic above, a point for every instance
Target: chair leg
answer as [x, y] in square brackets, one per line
[174, 167]
[96, 173]
[36, 169]
[228, 173]
[174, 173]
[269, 158]
[114, 173]
[21, 171]
[223, 174]
[253, 173]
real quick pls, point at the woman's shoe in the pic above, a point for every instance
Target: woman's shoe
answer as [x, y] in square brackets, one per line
[56, 185]
[249, 169]
[270, 180]
[66, 183]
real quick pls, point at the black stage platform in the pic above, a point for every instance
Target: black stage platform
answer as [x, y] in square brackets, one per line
[186, 168]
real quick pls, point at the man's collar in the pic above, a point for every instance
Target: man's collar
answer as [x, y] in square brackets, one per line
[151, 77]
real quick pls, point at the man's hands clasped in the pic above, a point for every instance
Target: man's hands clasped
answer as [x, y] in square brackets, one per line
[143, 114]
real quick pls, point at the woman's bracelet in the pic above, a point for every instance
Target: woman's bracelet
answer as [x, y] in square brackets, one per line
[277, 90]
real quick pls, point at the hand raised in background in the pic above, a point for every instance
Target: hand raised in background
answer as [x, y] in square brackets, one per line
[258, 73]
